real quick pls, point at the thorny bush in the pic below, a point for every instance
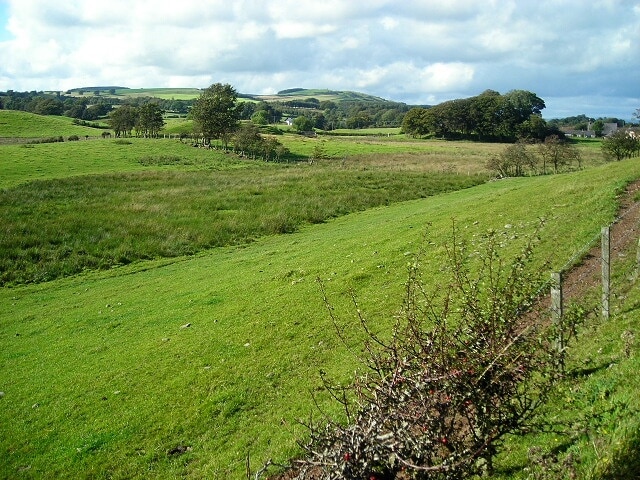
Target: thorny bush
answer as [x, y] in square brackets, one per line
[464, 367]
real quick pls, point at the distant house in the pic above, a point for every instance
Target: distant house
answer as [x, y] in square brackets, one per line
[579, 133]
[609, 128]
[289, 121]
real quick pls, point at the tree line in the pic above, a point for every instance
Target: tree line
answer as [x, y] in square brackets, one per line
[489, 116]
[324, 115]
[88, 108]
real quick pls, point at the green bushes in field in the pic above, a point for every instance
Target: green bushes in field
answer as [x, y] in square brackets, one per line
[47, 140]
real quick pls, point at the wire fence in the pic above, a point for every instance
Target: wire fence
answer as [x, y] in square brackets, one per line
[609, 238]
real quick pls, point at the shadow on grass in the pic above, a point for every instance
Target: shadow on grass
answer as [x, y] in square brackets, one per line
[585, 372]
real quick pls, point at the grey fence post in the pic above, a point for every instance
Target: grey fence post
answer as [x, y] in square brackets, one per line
[606, 271]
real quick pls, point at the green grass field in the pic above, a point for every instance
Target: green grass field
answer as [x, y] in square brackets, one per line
[15, 124]
[181, 367]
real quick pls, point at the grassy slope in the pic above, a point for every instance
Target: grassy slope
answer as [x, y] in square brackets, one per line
[29, 125]
[99, 377]
[21, 164]
[164, 93]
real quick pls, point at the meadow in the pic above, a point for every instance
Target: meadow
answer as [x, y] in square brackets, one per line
[22, 125]
[181, 364]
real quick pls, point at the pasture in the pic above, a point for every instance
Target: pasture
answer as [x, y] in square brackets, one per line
[180, 364]
[15, 124]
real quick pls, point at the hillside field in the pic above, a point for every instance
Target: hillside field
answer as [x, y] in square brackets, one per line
[181, 366]
[16, 124]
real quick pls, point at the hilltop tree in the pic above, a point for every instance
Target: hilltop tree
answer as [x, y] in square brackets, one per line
[216, 114]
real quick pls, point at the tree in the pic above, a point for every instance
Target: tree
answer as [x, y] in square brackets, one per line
[247, 140]
[415, 123]
[598, 127]
[122, 120]
[46, 106]
[533, 128]
[621, 144]
[303, 124]
[272, 147]
[215, 113]
[260, 118]
[150, 120]
[519, 105]
[485, 113]
[513, 161]
[557, 152]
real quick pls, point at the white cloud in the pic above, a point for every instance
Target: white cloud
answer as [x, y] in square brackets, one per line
[413, 51]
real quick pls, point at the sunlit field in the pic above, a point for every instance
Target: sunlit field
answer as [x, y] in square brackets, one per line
[160, 315]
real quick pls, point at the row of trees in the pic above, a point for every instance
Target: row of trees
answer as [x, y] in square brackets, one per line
[88, 108]
[521, 158]
[582, 122]
[489, 116]
[147, 120]
[40, 103]
[621, 144]
[328, 115]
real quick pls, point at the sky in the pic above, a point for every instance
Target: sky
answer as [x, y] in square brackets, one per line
[581, 57]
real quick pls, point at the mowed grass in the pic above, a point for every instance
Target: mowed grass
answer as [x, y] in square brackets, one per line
[181, 368]
[16, 124]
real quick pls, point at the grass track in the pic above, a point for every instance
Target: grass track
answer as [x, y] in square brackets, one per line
[100, 379]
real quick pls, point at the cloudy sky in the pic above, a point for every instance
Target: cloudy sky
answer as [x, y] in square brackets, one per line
[579, 56]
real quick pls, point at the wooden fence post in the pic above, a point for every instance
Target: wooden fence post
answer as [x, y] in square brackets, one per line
[606, 271]
[635, 277]
[556, 309]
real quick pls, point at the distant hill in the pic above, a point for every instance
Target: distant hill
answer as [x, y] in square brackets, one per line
[291, 94]
[96, 89]
[321, 95]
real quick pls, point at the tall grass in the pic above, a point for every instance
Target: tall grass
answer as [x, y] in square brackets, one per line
[60, 227]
